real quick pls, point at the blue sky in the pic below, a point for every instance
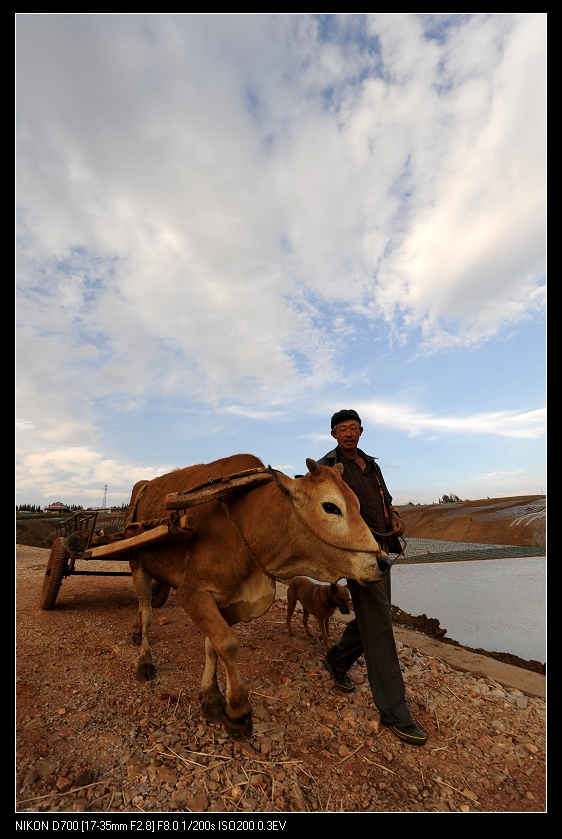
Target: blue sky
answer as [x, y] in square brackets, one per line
[231, 226]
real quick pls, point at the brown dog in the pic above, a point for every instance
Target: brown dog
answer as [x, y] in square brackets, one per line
[318, 600]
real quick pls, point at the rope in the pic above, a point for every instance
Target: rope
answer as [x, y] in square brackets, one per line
[131, 512]
[331, 544]
[175, 528]
[262, 567]
[249, 551]
[174, 525]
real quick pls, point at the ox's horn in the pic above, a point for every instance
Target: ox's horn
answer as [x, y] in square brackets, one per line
[312, 466]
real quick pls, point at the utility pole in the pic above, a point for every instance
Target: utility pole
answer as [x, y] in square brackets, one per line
[104, 502]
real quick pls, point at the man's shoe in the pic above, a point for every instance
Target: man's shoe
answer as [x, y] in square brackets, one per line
[409, 734]
[341, 680]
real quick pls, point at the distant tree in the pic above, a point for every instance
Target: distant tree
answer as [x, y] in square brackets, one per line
[449, 499]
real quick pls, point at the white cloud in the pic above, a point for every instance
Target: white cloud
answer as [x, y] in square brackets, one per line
[81, 473]
[473, 251]
[498, 476]
[239, 410]
[523, 425]
[216, 206]
[390, 198]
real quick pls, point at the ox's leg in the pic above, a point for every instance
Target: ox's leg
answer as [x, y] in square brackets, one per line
[236, 713]
[142, 582]
[212, 701]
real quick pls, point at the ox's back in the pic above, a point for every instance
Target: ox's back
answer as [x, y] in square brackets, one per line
[151, 503]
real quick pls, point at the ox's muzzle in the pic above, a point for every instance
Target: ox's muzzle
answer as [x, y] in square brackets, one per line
[383, 564]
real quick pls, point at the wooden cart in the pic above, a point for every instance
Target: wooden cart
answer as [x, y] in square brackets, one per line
[82, 538]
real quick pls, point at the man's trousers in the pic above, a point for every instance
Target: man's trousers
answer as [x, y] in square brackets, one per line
[371, 633]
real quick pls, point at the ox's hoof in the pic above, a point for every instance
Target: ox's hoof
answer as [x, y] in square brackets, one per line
[146, 672]
[213, 710]
[239, 729]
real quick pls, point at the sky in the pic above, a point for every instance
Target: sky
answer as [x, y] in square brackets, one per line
[231, 226]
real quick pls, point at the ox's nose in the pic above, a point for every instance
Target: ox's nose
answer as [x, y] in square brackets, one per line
[384, 565]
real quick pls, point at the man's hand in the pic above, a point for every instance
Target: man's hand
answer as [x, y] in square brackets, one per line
[398, 526]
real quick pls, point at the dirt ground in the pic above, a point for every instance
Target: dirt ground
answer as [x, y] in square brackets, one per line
[90, 738]
[467, 521]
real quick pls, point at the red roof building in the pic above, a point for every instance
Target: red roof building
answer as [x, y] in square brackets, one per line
[57, 507]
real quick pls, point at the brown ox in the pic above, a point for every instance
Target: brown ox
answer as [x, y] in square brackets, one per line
[224, 569]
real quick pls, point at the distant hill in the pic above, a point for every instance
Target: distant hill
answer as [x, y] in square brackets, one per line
[518, 520]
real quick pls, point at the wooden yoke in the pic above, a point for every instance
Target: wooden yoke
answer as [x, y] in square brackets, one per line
[158, 529]
[219, 488]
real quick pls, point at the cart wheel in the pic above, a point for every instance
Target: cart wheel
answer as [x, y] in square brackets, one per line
[160, 592]
[54, 572]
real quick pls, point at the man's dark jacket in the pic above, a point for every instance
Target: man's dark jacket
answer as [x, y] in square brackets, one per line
[330, 459]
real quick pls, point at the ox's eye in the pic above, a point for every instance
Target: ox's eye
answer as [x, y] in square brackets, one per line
[331, 508]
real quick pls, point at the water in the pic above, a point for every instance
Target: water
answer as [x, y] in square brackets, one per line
[498, 605]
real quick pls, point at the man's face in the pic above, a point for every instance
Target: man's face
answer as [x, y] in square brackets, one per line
[347, 433]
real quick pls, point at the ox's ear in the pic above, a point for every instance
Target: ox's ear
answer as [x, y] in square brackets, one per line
[338, 467]
[312, 466]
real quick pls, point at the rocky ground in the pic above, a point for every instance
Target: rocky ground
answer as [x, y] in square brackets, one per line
[92, 739]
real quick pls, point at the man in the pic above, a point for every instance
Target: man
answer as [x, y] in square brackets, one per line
[371, 632]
